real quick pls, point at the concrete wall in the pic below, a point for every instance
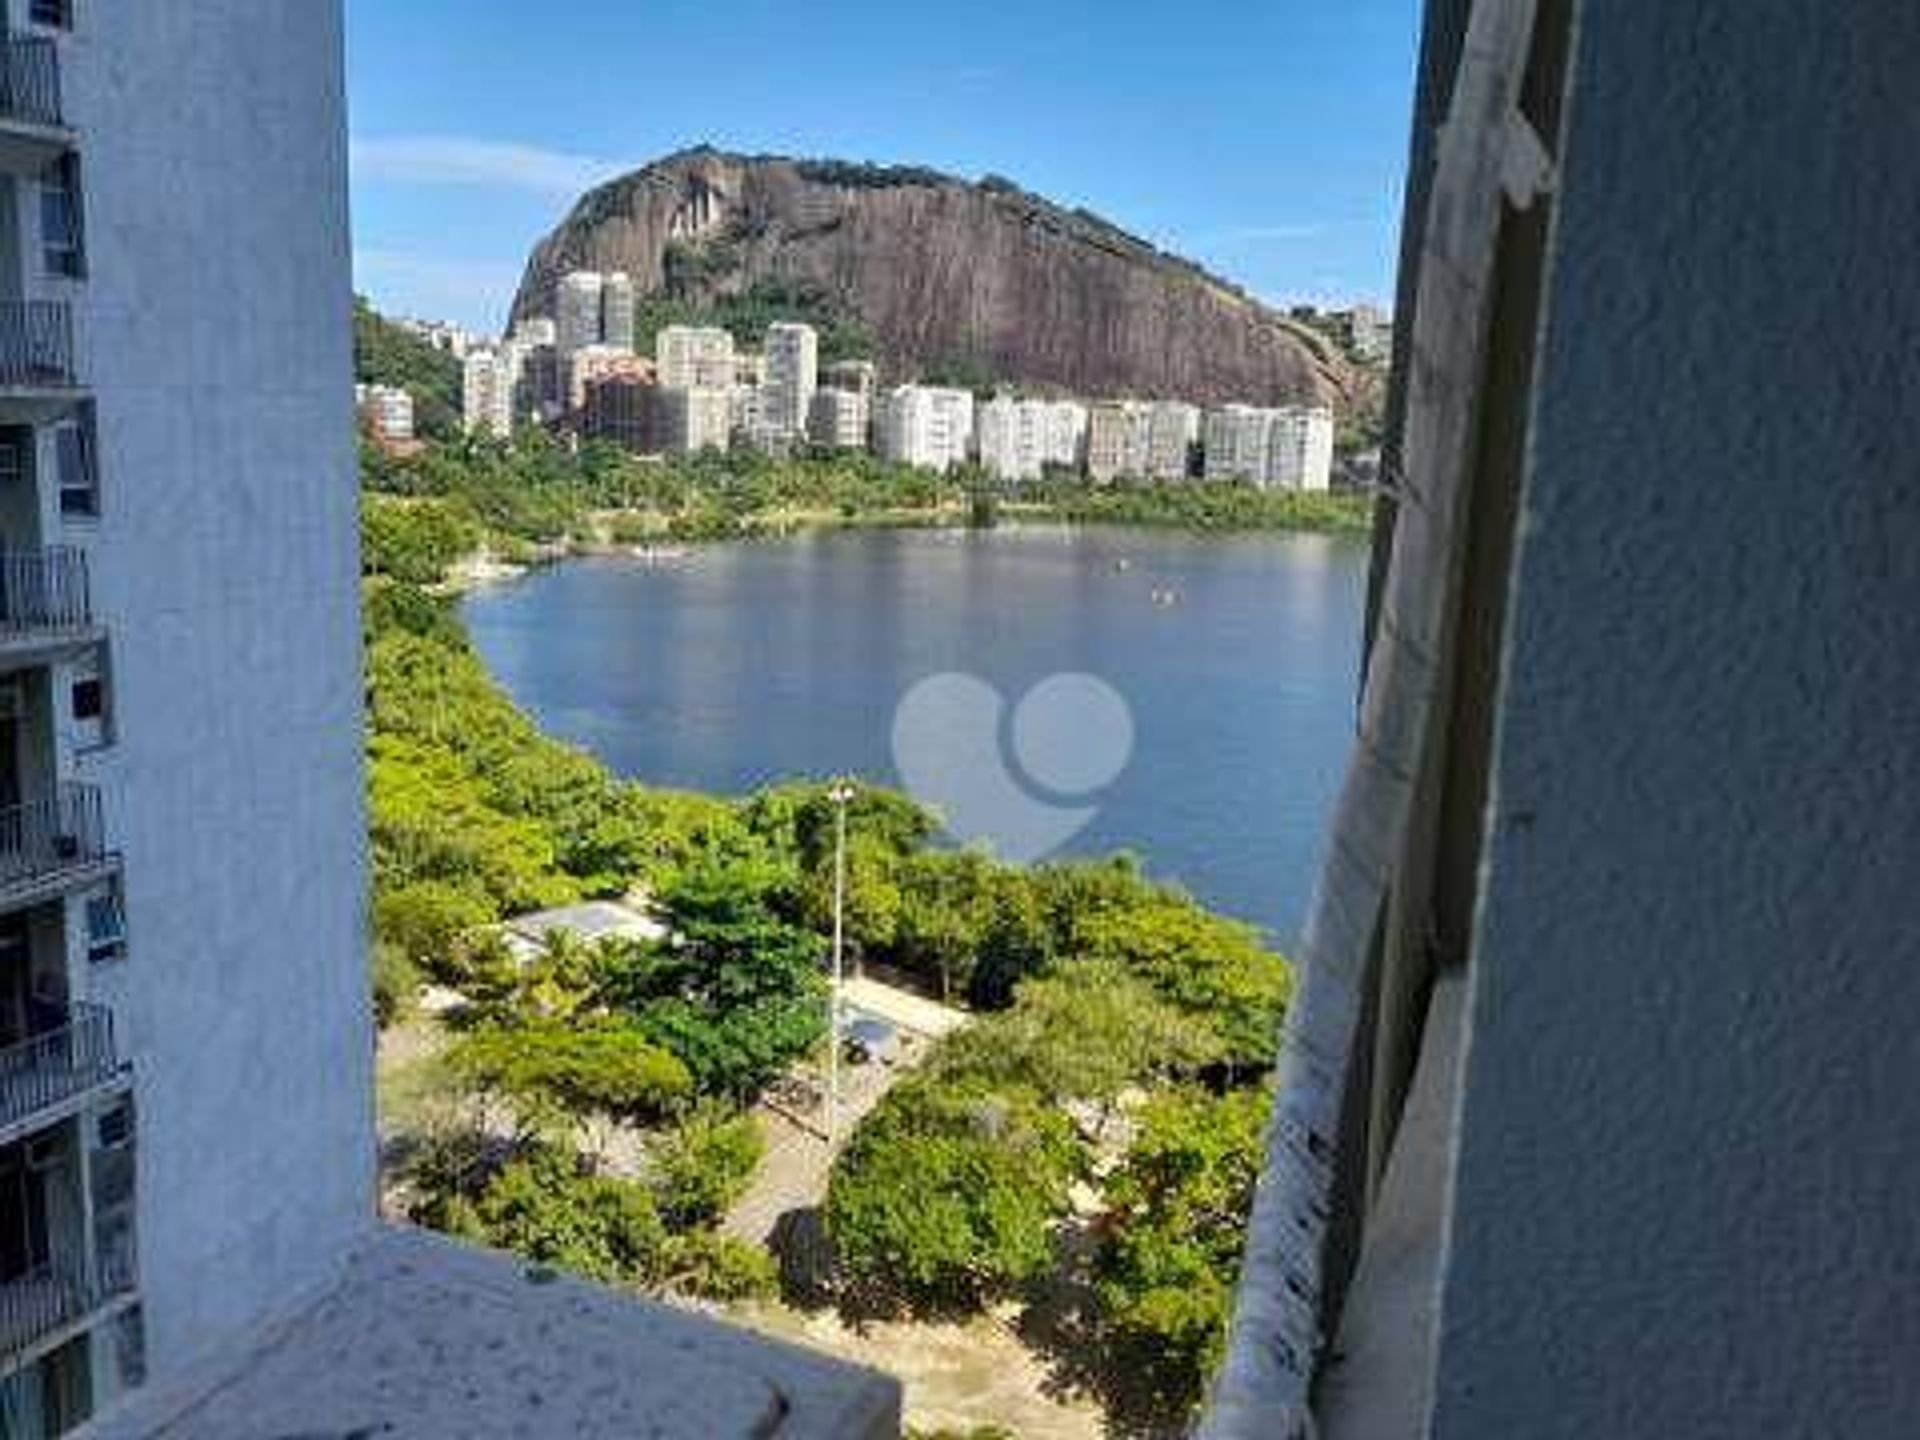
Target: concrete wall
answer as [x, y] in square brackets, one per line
[1685, 1192]
[215, 330]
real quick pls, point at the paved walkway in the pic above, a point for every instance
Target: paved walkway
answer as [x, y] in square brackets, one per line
[799, 1161]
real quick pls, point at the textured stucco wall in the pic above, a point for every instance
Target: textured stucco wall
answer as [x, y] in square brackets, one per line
[1686, 1188]
[215, 325]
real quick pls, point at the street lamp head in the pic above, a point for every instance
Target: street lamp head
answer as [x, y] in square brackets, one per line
[841, 793]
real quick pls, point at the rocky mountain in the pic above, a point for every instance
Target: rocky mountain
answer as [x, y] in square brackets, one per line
[941, 276]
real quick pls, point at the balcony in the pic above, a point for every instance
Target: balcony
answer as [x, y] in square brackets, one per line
[52, 845]
[45, 1076]
[36, 353]
[61, 1298]
[45, 604]
[33, 123]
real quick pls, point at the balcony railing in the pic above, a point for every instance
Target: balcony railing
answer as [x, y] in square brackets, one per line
[36, 343]
[56, 1296]
[39, 1073]
[45, 838]
[43, 590]
[30, 80]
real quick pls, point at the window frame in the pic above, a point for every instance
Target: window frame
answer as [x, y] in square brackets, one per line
[66, 260]
[111, 947]
[94, 732]
[83, 423]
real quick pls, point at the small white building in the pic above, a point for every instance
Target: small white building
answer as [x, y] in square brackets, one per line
[386, 411]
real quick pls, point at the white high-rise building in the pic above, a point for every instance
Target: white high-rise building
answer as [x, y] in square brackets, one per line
[1239, 443]
[695, 419]
[182, 873]
[1277, 449]
[839, 420]
[1005, 441]
[926, 426]
[576, 311]
[1063, 434]
[1173, 431]
[616, 311]
[691, 357]
[1300, 449]
[1119, 440]
[792, 358]
[188, 1235]
[489, 377]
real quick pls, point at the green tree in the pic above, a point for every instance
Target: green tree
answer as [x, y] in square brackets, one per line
[548, 1208]
[563, 1071]
[701, 1166]
[1177, 1229]
[948, 1194]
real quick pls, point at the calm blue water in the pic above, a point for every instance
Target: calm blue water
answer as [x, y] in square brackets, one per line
[742, 664]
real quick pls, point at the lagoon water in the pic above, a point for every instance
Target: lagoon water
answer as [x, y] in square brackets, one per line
[740, 664]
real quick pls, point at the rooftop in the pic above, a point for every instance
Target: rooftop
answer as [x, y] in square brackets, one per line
[424, 1339]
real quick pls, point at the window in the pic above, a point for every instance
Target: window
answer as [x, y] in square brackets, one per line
[106, 919]
[56, 14]
[89, 702]
[74, 461]
[62, 230]
[13, 459]
[116, 1127]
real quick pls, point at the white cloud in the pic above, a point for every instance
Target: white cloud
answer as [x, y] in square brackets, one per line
[459, 160]
[475, 293]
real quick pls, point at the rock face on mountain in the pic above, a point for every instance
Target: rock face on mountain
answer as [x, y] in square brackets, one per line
[944, 275]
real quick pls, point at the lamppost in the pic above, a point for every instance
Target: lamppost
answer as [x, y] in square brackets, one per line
[840, 795]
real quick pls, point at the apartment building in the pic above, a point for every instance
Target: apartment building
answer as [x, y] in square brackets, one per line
[624, 410]
[601, 362]
[1006, 439]
[692, 419]
[1119, 440]
[187, 1152]
[925, 426]
[792, 359]
[159, 868]
[1300, 448]
[386, 411]
[688, 357]
[577, 305]
[1173, 436]
[1023, 439]
[861, 377]
[1239, 443]
[839, 419]
[489, 377]
[617, 300]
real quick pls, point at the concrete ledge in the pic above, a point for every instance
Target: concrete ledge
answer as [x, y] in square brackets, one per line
[424, 1339]
[1378, 1383]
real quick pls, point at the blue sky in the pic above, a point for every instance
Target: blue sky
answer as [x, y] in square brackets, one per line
[1264, 138]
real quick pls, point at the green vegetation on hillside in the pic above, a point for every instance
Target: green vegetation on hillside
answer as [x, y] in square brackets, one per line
[696, 294]
[384, 354]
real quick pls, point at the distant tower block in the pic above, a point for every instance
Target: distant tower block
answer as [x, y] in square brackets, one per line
[616, 310]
